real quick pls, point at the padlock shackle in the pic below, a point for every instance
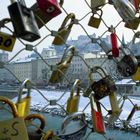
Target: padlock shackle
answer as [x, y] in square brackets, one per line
[11, 104]
[71, 17]
[95, 12]
[61, 3]
[26, 84]
[39, 117]
[77, 86]
[70, 117]
[96, 68]
[48, 135]
[70, 49]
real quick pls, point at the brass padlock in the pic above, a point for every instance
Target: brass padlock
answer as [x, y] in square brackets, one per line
[97, 118]
[62, 67]
[12, 129]
[37, 135]
[104, 86]
[23, 104]
[41, 16]
[133, 24]
[23, 21]
[136, 76]
[115, 109]
[64, 30]
[94, 20]
[97, 3]
[7, 41]
[73, 101]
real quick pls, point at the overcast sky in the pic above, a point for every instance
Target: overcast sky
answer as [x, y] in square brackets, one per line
[80, 8]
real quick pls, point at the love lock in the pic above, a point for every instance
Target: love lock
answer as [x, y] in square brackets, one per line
[7, 41]
[133, 24]
[125, 9]
[95, 21]
[12, 129]
[136, 75]
[97, 3]
[127, 66]
[46, 10]
[24, 22]
[61, 67]
[115, 48]
[74, 127]
[97, 118]
[37, 135]
[23, 104]
[104, 86]
[64, 31]
[73, 101]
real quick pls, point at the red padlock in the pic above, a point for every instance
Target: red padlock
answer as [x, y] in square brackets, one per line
[50, 7]
[115, 48]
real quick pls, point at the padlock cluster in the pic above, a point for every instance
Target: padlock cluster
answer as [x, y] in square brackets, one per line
[27, 23]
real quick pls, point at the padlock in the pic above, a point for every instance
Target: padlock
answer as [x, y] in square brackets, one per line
[12, 129]
[125, 9]
[37, 135]
[97, 3]
[97, 118]
[23, 104]
[44, 11]
[73, 127]
[73, 101]
[62, 67]
[95, 21]
[64, 30]
[115, 48]
[89, 90]
[104, 86]
[23, 21]
[136, 4]
[127, 121]
[133, 24]
[136, 76]
[128, 65]
[115, 109]
[7, 41]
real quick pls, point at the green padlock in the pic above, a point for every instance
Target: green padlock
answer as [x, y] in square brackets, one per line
[23, 105]
[95, 20]
[73, 101]
[64, 31]
[133, 24]
[97, 3]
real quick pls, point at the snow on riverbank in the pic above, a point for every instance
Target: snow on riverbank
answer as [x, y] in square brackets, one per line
[39, 102]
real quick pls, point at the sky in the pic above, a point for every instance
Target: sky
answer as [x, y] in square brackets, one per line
[80, 9]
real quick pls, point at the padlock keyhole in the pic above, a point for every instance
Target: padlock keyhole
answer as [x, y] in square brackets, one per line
[50, 9]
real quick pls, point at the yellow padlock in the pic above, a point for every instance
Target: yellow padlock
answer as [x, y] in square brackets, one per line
[61, 68]
[97, 3]
[64, 31]
[115, 109]
[23, 105]
[133, 24]
[7, 41]
[97, 118]
[136, 76]
[95, 21]
[12, 129]
[73, 101]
